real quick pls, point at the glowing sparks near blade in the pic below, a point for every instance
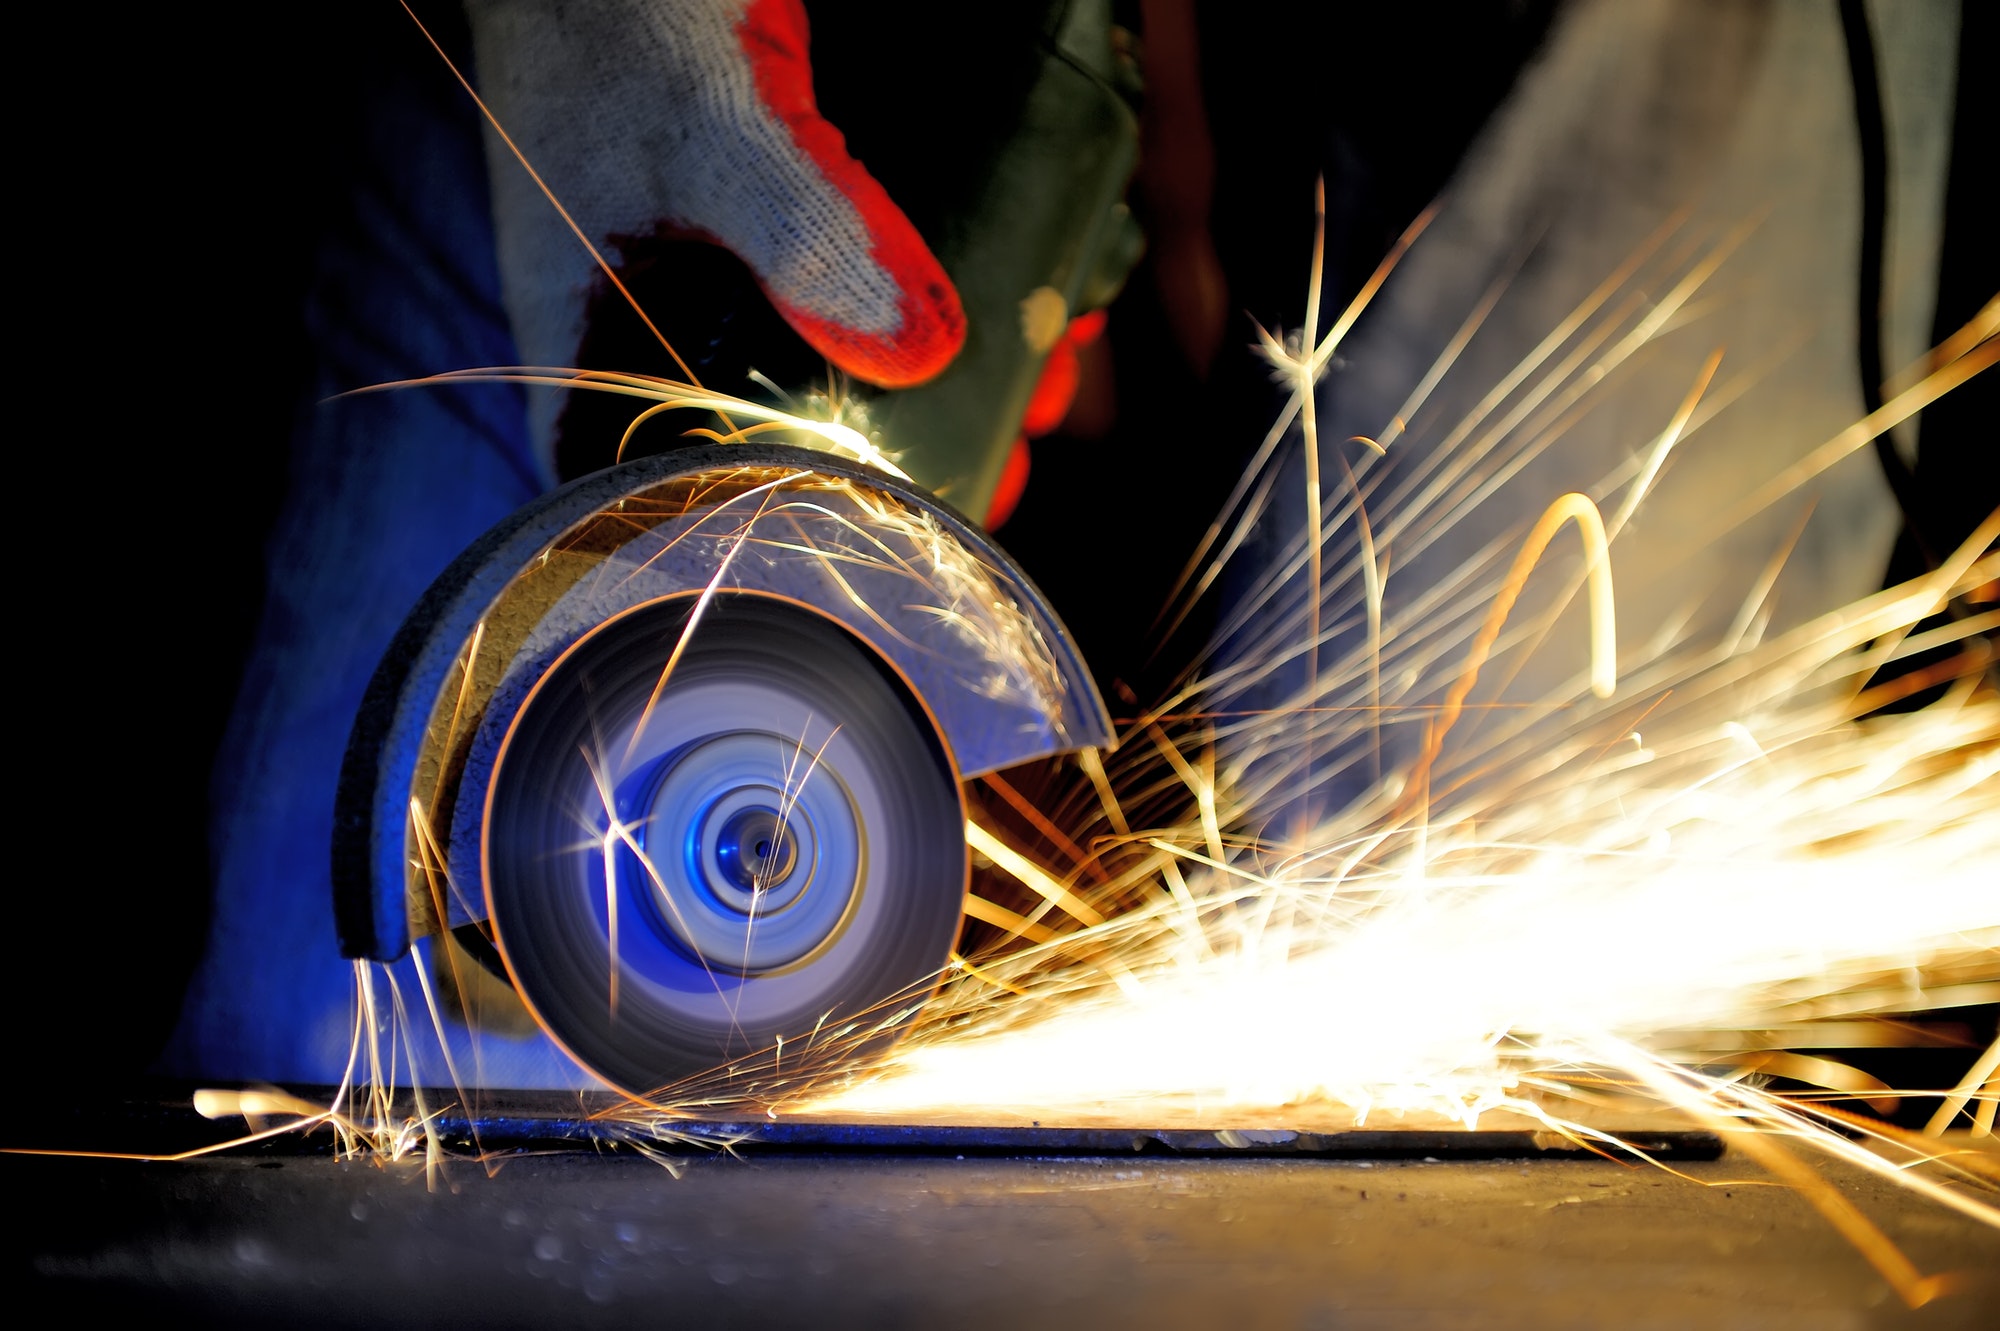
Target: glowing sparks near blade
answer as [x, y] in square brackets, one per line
[1522, 909]
[830, 436]
[1021, 868]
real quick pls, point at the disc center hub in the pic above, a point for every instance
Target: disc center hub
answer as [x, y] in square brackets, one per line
[754, 853]
[751, 851]
[757, 849]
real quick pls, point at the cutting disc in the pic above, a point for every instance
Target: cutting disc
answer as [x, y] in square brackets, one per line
[709, 832]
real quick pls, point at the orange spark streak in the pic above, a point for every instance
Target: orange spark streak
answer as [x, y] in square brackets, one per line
[1603, 628]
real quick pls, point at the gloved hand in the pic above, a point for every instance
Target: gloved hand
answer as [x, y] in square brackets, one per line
[695, 118]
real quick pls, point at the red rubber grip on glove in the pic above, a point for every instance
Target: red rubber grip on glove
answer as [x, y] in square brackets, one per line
[775, 40]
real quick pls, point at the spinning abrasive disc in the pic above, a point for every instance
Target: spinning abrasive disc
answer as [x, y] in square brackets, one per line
[686, 865]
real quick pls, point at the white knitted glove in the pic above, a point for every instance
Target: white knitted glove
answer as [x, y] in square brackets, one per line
[696, 118]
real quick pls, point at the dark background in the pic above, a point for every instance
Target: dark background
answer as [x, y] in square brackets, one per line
[171, 176]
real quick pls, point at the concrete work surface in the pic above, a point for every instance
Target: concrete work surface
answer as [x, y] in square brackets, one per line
[588, 1238]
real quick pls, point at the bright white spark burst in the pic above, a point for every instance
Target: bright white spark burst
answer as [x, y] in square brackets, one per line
[1540, 894]
[1444, 979]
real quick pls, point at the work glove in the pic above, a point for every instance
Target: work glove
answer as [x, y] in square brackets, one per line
[694, 118]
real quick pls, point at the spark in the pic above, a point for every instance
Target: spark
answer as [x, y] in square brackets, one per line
[1603, 627]
[826, 435]
[1511, 917]
[1029, 874]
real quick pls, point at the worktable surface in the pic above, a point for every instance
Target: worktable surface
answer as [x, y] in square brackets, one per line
[591, 1236]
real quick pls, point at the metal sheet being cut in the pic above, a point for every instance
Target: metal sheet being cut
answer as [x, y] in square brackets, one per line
[510, 1122]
